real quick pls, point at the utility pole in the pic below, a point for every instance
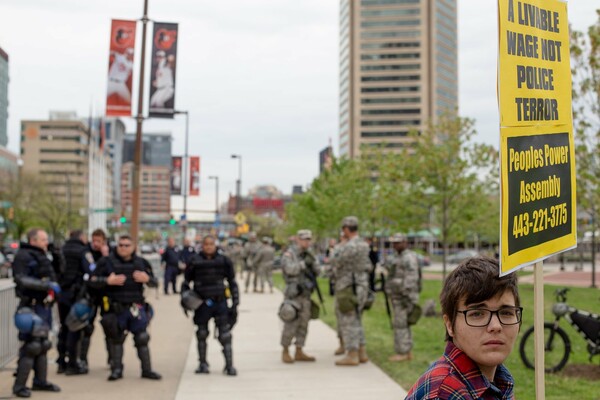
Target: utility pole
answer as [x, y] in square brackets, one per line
[137, 158]
[185, 178]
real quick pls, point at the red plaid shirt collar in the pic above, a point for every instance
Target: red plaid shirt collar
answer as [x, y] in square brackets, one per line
[456, 376]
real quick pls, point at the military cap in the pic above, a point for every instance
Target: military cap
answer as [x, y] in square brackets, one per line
[398, 238]
[304, 234]
[252, 235]
[266, 240]
[350, 222]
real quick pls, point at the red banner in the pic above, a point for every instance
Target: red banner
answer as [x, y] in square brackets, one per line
[176, 175]
[120, 67]
[194, 176]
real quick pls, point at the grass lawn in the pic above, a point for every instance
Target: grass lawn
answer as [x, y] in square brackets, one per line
[428, 335]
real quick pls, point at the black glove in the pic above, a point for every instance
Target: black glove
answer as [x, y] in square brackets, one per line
[233, 316]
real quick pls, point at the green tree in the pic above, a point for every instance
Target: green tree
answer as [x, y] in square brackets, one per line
[443, 179]
[585, 57]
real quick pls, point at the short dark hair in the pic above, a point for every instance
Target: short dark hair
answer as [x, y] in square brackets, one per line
[75, 234]
[214, 239]
[32, 234]
[475, 280]
[99, 233]
[126, 237]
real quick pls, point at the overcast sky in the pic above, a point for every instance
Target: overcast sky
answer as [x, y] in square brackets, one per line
[259, 77]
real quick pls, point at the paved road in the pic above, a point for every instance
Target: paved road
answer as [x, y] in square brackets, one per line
[262, 375]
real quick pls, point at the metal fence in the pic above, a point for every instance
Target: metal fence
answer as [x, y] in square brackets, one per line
[9, 342]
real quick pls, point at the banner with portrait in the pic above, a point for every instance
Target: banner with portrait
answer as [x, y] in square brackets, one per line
[176, 175]
[120, 68]
[162, 73]
[194, 176]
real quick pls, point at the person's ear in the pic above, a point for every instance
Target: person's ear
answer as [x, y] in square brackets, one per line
[449, 327]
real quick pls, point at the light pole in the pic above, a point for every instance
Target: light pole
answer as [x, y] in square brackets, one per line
[238, 184]
[216, 178]
[186, 171]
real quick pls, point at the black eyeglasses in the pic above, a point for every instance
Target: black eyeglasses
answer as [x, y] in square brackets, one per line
[479, 317]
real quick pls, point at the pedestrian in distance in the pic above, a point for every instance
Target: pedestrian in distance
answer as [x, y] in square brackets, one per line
[250, 249]
[402, 288]
[36, 287]
[352, 268]
[122, 275]
[210, 278]
[482, 316]
[263, 260]
[300, 269]
[170, 262]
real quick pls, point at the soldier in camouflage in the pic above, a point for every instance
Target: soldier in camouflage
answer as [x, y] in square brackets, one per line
[352, 267]
[402, 287]
[250, 249]
[300, 270]
[263, 260]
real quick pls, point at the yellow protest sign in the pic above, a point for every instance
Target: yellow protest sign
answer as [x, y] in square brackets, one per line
[537, 155]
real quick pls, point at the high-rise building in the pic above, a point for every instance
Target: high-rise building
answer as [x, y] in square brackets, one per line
[398, 70]
[67, 154]
[155, 192]
[156, 148]
[3, 98]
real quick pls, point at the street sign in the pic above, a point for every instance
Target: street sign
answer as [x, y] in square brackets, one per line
[239, 218]
[103, 210]
[5, 204]
[537, 152]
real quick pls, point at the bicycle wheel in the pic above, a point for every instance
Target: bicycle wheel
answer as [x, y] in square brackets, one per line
[556, 344]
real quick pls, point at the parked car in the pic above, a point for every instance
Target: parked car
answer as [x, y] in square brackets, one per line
[5, 267]
[461, 255]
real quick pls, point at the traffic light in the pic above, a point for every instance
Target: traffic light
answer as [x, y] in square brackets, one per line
[123, 219]
[172, 221]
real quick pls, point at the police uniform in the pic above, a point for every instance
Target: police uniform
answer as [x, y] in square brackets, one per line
[207, 275]
[77, 262]
[124, 309]
[300, 270]
[36, 287]
[171, 259]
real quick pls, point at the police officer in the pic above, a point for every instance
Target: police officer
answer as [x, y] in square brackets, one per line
[78, 259]
[186, 253]
[207, 271]
[402, 286]
[170, 261]
[300, 270]
[352, 267]
[123, 275]
[98, 248]
[36, 288]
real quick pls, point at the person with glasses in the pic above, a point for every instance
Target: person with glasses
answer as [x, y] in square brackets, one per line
[482, 316]
[122, 276]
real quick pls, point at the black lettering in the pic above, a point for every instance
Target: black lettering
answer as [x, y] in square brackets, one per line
[511, 11]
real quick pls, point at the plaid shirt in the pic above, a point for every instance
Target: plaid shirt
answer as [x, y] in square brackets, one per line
[455, 376]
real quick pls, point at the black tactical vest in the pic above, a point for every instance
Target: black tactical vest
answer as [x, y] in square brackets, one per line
[73, 251]
[131, 291]
[38, 266]
[208, 275]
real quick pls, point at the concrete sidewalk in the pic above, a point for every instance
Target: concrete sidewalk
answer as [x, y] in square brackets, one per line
[257, 357]
[262, 375]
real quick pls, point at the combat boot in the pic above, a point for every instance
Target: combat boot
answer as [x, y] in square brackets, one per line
[24, 366]
[362, 354]
[400, 357]
[340, 350]
[302, 356]
[203, 367]
[228, 354]
[285, 356]
[350, 360]
[116, 363]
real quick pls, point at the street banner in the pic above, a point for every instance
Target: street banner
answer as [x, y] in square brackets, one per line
[194, 176]
[537, 154]
[162, 73]
[120, 67]
[176, 175]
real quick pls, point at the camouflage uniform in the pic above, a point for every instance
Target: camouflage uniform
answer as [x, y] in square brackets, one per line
[297, 265]
[234, 253]
[250, 249]
[263, 261]
[402, 287]
[352, 259]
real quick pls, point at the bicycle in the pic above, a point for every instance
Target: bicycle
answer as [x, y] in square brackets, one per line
[557, 345]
